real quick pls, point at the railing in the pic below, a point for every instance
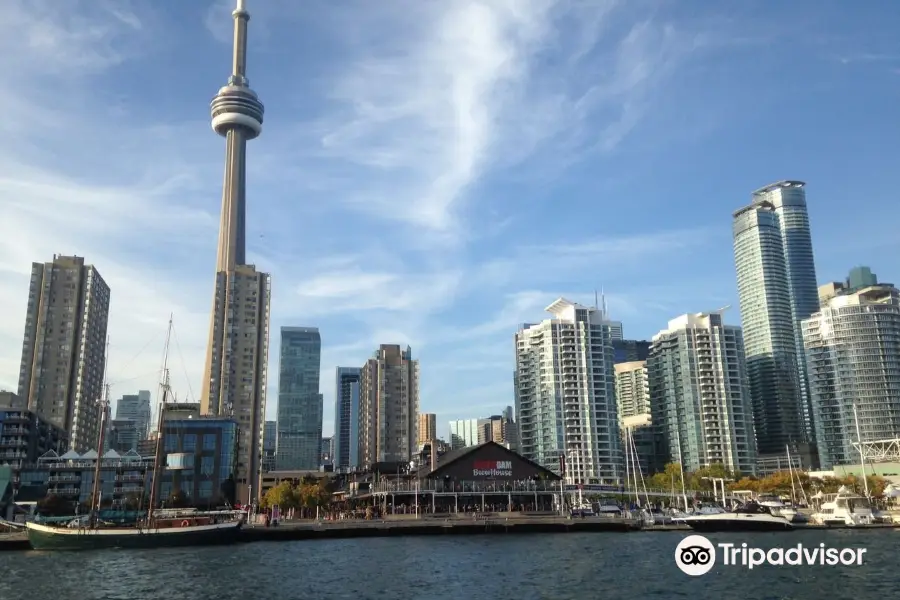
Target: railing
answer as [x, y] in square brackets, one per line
[519, 487]
[59, 478]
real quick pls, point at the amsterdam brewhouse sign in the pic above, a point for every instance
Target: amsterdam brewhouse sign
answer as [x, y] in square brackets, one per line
[492, 468]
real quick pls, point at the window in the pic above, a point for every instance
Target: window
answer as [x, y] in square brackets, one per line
[205, 490]
[189, 443]
[171, 443]
[209, 441]
[207, 465]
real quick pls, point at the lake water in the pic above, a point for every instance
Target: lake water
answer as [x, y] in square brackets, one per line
[521, 567]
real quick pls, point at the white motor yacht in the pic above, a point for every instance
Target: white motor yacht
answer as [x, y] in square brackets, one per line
[751, 516]
[778, 508]
[845, 508]
[679, 516]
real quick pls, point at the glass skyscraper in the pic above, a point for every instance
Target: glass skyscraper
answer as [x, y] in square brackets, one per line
[299, 426]
[346, 418]
[776, 279]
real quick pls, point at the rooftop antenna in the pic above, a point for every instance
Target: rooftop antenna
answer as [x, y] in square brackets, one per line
[603, 300]
[596, 301]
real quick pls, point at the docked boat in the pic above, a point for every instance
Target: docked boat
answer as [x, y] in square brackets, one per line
[606, 507]
[845, 508]
[162, 534]
[680, 517]
[751, 516]
[159, 529]
[778, 508]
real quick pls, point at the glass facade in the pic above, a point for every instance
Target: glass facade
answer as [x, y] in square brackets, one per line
[700, 394]
[853, 354]
[299, 426]
[346, 410]
[777, 289]
[630, 350]
[201, 455]
[463, 433]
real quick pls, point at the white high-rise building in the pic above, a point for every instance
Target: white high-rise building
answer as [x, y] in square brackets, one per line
[853, 353]
[565, 394]
[699, 394]
[463, 433]
[632, 389]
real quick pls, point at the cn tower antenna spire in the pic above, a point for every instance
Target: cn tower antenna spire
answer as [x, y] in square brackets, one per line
[237, 115]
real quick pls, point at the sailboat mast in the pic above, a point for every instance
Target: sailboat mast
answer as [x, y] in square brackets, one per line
[103, 403]
[156, 477]
[791, 472]
[862, 456]
[95, 490]
[681, 466]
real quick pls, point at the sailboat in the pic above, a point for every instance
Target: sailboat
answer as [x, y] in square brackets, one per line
[190, 529]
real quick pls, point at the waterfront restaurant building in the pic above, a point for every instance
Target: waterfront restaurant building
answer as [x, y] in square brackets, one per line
[483, 478]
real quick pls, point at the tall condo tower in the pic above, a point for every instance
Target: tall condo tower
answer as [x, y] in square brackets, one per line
[64, 347]
[699, 394]
[776, 280]
[388, 406]
[234, 381]
[853, 345]
[566, 396]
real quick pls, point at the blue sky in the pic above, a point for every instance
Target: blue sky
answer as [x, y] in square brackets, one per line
[435, 173]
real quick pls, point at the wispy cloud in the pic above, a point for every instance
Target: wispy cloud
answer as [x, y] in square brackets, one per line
[56, 200]
[377, 194]
[436, 95]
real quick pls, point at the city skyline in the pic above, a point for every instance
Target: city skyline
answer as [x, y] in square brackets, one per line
[154, 203]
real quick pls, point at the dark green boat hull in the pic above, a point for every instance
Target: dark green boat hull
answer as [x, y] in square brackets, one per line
[86, 539]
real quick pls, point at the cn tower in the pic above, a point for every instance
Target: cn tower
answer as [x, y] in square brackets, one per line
[237, 115]
[234, 377]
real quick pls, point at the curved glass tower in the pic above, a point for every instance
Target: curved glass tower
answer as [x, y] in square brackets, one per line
[777, 289]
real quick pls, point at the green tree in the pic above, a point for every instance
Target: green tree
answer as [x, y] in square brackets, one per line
[701, 479]
[282, 495]
[669, 478]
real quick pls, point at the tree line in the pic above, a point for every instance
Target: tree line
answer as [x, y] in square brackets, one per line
[305, 496]
[777, 483]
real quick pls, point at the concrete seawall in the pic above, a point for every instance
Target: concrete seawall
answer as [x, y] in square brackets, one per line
[433, 526]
